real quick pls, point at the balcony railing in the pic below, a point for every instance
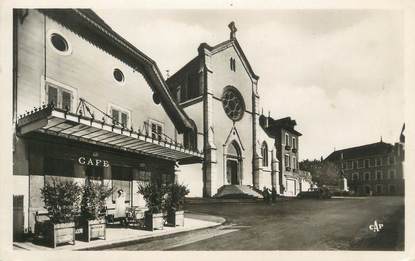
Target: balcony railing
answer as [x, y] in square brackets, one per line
[294, 150]
[287, 168]
[287, 147]
[84, 108]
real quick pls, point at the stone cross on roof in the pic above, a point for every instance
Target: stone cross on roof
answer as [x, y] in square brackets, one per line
[233, 29]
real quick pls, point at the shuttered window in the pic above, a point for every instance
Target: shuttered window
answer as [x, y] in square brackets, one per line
[60, 97]
[120, 117]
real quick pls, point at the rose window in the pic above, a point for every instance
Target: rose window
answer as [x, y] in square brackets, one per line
[233, 103]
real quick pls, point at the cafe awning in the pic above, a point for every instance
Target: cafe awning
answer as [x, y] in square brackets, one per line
[57, 122]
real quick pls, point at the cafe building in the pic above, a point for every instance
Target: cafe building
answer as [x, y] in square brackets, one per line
[87, 104]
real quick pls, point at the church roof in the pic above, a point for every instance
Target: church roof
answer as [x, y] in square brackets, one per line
[87, 24]
[224, 45]
[215, 49]
[368, 150]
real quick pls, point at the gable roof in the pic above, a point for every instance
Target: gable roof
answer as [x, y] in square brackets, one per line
[274, 126]
[87, 24]
[368, 150]
[228, 43]
[213, 49]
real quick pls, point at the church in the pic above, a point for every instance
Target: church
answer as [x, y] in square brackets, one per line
[244, 151]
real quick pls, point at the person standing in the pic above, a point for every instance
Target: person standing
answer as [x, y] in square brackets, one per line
[120, 207]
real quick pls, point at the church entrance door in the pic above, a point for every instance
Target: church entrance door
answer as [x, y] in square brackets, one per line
[233, 161]
[232, 170]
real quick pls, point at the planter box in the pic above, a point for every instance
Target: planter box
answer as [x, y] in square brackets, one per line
[61, 233]
[153, 221]
[294, 150]
[287, 147]
[175, 218]
[93, 229]
[287, 168]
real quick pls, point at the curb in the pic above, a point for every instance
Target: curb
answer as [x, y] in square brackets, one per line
[146, 239]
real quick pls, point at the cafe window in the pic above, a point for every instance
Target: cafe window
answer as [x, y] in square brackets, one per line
[121, 177]
[58, 167]
[166, 179]
[94, 172]
[120, 116]
[60, 97]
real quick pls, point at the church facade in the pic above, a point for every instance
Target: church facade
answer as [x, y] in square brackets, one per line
[218, 89]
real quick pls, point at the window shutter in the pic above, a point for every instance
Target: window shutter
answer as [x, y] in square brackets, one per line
[66, 100]
[124, 119]
[115, 116]
[52, 96]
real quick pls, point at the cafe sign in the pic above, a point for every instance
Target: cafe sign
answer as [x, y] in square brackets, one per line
[93, 162]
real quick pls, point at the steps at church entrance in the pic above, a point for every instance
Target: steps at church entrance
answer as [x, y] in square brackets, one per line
[237, 192]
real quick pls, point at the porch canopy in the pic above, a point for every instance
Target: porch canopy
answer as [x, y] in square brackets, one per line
[57, 122]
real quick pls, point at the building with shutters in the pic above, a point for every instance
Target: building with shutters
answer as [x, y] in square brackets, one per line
[79, 93]
[373, 169]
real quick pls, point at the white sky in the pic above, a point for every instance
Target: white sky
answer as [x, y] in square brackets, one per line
[338, 73]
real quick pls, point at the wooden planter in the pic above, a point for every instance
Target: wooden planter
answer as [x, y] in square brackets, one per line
[175, 218]
[61, 233]
[153, 221]
[93, 229]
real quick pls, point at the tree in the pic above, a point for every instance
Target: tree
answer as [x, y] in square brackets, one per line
[322, 172]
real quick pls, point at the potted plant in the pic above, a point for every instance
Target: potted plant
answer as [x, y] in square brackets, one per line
[176, 194]
[62, 201]
[154, 194]
[92, 205]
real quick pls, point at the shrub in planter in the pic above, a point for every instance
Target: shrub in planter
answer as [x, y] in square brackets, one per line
[92, 205]
[176, 194]
[154, 194]
[62, 201]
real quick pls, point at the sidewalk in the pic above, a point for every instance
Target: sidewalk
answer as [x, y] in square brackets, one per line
[120, 236]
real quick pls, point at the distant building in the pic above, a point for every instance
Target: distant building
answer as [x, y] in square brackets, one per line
[287, 153]
[373, 169]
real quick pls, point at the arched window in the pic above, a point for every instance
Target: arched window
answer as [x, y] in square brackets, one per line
[264, 152]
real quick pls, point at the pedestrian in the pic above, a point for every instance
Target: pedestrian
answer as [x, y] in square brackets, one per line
[274, 194]
[120, 207]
